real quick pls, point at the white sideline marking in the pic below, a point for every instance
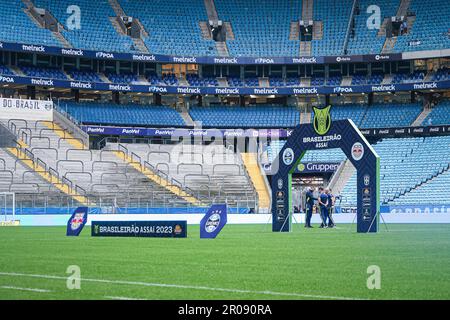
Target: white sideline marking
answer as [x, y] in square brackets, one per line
[121, 298]
[26, 289]
[164, 285]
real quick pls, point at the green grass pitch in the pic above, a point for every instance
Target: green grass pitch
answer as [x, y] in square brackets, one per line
[244, 262]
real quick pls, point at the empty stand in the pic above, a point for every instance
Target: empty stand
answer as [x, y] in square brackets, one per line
[261, 28]
[246, 117]
[130, 114]
[96, 32]
[174, 26]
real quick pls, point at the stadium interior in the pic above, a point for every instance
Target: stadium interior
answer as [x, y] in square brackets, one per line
[54, 166]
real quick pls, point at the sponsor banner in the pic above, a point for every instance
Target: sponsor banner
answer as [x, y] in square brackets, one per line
[418, 209]
[308, 167]
[261, 133]
[10, 223]
[77, 222]
[117, 87]
[26, 109]
[159, 58]
[173, 132]
[317, 167]
[382, 57]
[344, 59]
[213, 221]
[154, 229]
[407, 131]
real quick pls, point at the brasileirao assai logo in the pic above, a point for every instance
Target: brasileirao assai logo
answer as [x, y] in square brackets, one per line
[322, 120]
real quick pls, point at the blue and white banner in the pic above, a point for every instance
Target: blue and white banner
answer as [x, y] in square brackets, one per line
[173, 132]
[213, 221]
[192, 90]
[77, 222]
[255, 133]
[160, 58]
[160, 229]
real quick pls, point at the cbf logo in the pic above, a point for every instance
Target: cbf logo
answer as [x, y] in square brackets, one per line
[322, 120]
[288, 156]
[280, 183]
[366, 180]
[178, 229]
[213, 222]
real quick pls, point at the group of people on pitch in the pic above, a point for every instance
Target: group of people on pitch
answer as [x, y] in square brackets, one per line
[325, 206]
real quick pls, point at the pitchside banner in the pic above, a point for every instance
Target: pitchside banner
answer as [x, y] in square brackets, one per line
[26, 109]
[160, 229]
[213, 221]
[77, 221]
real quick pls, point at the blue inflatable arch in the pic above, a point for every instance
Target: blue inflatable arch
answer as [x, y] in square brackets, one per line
[324, 133]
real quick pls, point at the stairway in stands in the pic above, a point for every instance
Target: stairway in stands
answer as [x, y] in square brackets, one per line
[39, 21]
[421, 117]
[258, 179]
[341, 176]
[307, 15]
[402, 10]
[139, 43]
[213, 16]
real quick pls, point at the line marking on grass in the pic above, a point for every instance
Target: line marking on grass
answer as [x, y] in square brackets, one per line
[121, 298]
[26, 289]
[177, 286]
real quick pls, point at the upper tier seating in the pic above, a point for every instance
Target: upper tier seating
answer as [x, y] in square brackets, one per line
[126, 114]
[367, 40]
[16, 26]
[261, 27]
[173, 25]
[246, 117]
[96, 32]
[335, 15]
[431, 27]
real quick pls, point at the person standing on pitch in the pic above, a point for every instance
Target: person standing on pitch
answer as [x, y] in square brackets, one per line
[323, 205]
[309, 206]
[331, 201]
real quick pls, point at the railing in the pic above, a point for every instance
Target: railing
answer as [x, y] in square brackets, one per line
[349, 26]
[37, 162]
